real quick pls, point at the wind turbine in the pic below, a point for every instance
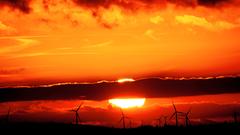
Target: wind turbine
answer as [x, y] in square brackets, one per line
[175, 114]
[142, 123]
[235, 115]
[187, 120]
[123, 119]
[165, 120]
[77, 118]
[158, 120]
[130, 123]
[8, 114]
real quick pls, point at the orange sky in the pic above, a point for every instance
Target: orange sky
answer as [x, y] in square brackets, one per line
[204, 110]
[81, 40]
[61, 41]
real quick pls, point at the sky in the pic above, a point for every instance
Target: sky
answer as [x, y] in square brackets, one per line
[81, 40]
[190, 48]
[204, 110]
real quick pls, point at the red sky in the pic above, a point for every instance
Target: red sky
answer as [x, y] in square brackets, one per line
[79, 40]
[204, 109]
[46, 41]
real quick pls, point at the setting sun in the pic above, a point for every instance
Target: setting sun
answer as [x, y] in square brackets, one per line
[127, 103]
[123, 80]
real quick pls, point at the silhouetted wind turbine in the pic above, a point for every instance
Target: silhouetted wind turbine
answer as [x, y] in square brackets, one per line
[187, 120]
[123, 119]
[130, 123]
[235, 115]
[175, 114]
[77, 118]
[8, 114]
[165, 120]
[158, 120]
[142, 123]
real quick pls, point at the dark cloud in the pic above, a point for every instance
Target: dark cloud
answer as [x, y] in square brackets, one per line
[137, 4]
[149, 88]
[126, 6]
[214, 2]
[22, 5]
[133, 5]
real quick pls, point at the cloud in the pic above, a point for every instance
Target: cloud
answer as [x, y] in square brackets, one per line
[26, 6]
[52, 54]
[16, 44]
[11, 71]
[108, 13]
[203, 22]
[6, 29]
[109, 19]
[150, 33]
[21, 5]
[138, 4]
[156, 19]
[26, 41]
[214, 2]
[149, 88]
[101, 44]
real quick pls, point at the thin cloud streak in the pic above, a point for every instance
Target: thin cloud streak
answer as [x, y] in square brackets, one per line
[202, 22]
[51, 54]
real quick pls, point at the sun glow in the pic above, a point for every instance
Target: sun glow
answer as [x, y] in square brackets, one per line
[128, 102]
[123, 80]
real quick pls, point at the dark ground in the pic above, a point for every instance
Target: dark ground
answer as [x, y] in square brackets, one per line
[57, 128]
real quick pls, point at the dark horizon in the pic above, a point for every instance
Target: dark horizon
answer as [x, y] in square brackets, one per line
[148, 88]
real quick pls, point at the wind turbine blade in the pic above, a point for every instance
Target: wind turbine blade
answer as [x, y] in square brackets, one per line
[174, 107]
[71, 110]
[189, 111]
[120, 120]
[181, 112]
[79, 106]
[122, 112]
[77, 115]
[172, 116]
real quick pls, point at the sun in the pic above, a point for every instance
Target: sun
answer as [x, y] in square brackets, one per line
[127, 102]
[123, 80]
